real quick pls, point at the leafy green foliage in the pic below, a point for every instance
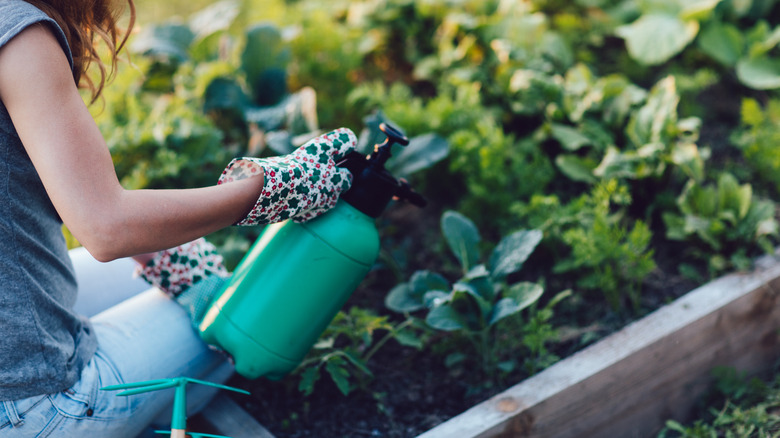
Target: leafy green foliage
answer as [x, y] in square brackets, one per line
[600, 246]
[665, 28]
[726, 219]
[159, 142]
[475, 304]
[580, 119]
[738, 407]
[758, 137]
[347, 345]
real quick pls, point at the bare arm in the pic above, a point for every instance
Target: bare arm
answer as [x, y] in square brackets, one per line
[74, 163]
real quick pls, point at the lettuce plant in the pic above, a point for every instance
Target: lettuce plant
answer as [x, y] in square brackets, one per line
[723, 222]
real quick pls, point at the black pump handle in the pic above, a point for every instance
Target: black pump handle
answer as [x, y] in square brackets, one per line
[383, 151]
[393, 135]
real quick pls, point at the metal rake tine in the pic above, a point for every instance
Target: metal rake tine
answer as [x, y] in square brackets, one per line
[134, 384]
[205, 435]
[216, 385]
[149, 388]
[192, 434]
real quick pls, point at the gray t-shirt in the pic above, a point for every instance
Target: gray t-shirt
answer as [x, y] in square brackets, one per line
[44, 345]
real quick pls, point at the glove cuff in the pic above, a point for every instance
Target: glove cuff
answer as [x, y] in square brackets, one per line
[276, 202]
[299, 186]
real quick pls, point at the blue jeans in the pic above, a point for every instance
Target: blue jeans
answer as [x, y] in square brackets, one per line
[146, 336]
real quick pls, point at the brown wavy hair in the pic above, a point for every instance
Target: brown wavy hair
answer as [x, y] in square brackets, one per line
[86, 24]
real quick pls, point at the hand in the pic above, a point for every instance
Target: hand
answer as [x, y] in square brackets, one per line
[301, 185]
[176, 269]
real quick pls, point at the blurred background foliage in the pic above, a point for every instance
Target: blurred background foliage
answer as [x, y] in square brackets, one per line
[538, 101]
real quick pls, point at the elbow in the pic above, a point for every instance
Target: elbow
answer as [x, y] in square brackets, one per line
[100, 254]
[103, 241]
[101, 251]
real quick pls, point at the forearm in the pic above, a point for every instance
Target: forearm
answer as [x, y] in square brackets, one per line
[142, 221]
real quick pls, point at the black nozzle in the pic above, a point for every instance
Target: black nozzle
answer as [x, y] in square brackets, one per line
[373, 187]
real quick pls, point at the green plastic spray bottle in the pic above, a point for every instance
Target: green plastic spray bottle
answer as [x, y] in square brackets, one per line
[296, 277]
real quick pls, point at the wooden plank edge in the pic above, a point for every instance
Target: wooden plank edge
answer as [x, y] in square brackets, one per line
[226, 417]
[653, 369]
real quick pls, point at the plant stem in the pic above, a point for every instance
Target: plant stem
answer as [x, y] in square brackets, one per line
[386, 338]
[486, 353]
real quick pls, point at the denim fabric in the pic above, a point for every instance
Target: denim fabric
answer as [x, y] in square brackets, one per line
[146, 337]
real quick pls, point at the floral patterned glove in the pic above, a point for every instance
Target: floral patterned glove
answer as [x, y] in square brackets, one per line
[177, 269]
[301, 185]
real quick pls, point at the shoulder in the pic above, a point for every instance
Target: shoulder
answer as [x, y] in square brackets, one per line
[18, 15]
[31, 63]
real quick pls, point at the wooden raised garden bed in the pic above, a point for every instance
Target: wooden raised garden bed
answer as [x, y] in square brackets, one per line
[630, 383]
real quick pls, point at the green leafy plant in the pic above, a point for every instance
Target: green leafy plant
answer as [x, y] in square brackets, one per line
[725, 220]
[606, 252]
[738, 407]
[348, 344]
[159, 141]
[665, 28]
[613, 129]
[757, 138]
[483, 296]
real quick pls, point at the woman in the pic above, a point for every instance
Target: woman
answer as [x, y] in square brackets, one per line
[55, 168]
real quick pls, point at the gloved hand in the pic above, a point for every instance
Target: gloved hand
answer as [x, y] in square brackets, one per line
[177, 269]
[301, 185]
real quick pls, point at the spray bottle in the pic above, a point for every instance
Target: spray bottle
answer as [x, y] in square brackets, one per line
[296, 277]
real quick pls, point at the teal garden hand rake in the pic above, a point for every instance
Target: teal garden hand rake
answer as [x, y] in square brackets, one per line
[179, 416]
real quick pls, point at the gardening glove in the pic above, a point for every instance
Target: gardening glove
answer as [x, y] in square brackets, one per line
[301, 185]
[177, 269]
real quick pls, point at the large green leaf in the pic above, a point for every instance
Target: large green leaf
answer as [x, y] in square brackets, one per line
[422, 152]
[657, 117]
[699, 10]
[656, 37]
[733, 197]
[479, 279]
[519, 296]
[569, 137]
[760, 73]
[264, 60]
[170, 41]
[722, 41]
[401, 299]
[576, 168]
[474, 308]
[218, 16]
[462, 237]
[225, 94]
[408, 297]
[444, 317]
[512, 251]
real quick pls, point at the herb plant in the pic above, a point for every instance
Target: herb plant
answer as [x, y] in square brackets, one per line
[347, 346]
